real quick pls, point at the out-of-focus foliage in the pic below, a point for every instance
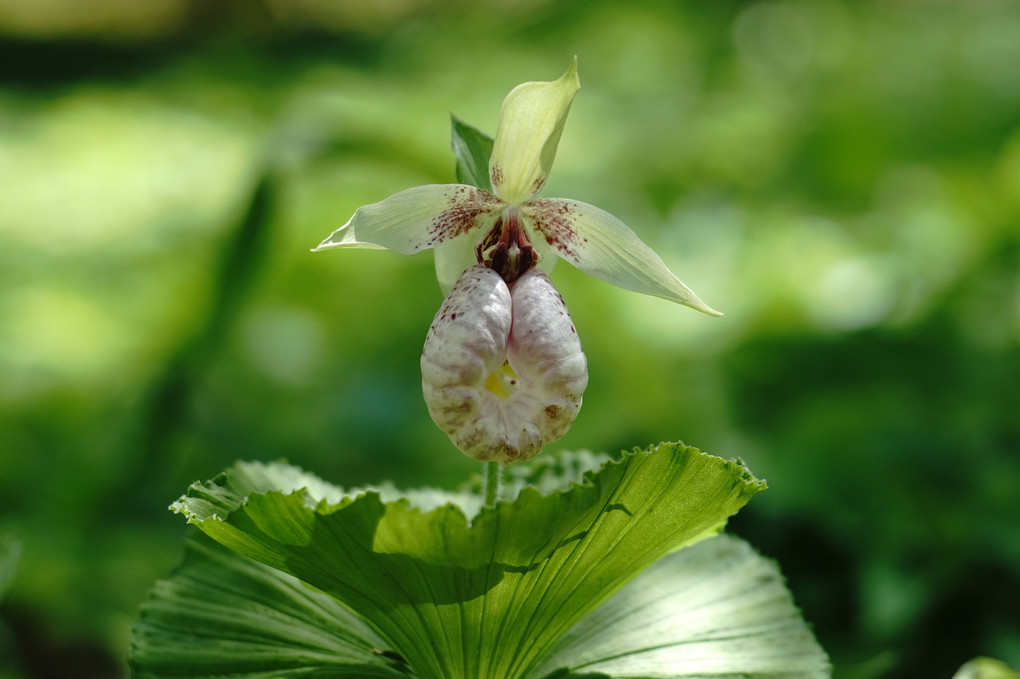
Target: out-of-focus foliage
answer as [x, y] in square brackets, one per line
[986, 668]
[841, 178]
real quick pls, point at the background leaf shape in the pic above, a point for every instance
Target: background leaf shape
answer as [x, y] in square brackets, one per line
[717, 609]
[986, 668]
[471, 148]
[10, 555]
[485, 598]
[223, 614]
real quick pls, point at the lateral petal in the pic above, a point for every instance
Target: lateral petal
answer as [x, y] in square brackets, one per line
[601, 245]
[454, 257]
[416, 219]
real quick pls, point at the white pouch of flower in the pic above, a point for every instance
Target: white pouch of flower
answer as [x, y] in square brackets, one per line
[503, 372]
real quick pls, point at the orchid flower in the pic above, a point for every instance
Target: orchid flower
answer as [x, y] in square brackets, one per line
[502, 369]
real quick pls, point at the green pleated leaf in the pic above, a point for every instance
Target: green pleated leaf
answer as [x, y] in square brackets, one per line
[222, 614]
[479, 599]
[717, 609]
[471, 148]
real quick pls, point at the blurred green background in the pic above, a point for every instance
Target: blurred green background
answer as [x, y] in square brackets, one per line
[841, 178]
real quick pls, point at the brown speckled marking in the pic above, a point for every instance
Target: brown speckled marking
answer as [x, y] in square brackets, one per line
[496, 176]
[467, 206]
[554, 220]
[537, 185]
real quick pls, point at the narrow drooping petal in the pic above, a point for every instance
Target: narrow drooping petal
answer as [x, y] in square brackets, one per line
[502, 371]
[601, 245]
[452, 258]
[530, 125]
[417, 219]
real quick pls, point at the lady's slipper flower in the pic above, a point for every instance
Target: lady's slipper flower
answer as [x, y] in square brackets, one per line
[499, 385]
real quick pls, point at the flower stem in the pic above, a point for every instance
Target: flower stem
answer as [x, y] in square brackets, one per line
[492, 475]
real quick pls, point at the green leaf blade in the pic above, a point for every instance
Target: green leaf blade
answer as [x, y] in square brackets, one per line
[717, 609]
[471, 148]
[222, 614]
[486, 598]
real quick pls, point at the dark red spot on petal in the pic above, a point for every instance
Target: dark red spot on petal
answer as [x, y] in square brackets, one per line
[553, 219]
[467, 206]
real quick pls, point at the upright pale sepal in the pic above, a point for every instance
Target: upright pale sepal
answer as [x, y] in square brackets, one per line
[601, 245]
[417, 219]
[530, 124]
